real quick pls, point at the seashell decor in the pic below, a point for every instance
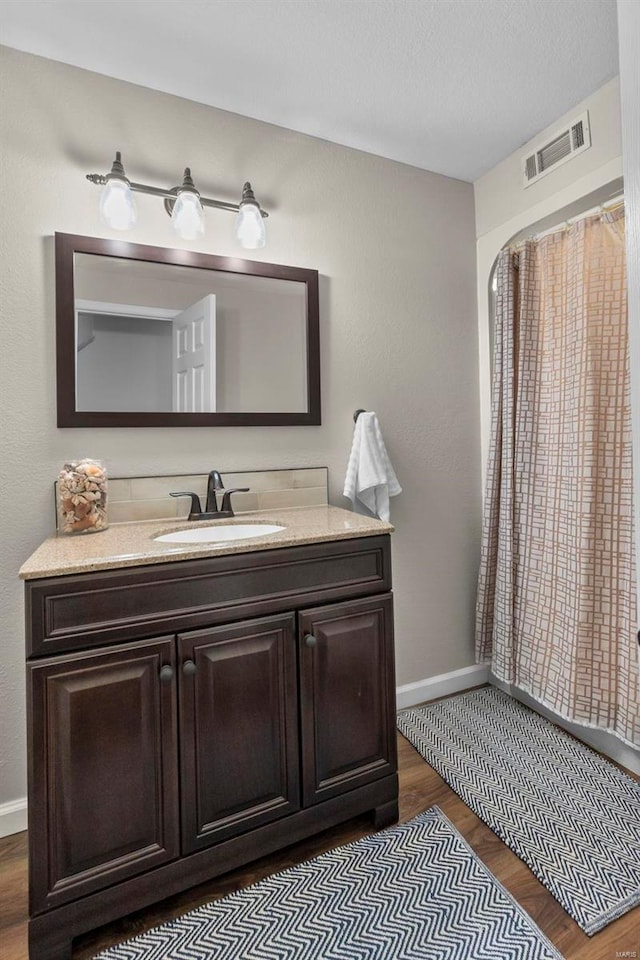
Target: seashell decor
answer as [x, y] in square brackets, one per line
[82, 497]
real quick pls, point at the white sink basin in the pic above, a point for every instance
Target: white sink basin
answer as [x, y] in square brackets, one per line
[223, 534]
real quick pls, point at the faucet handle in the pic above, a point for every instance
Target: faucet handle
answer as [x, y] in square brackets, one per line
[226, 500]
[196, 506]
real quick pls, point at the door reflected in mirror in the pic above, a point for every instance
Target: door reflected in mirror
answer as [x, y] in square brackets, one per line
[165, 337]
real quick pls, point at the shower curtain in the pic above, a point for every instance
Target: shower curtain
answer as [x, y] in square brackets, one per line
[556, 612]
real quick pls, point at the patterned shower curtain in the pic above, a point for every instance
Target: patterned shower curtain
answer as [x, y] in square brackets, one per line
[556, 613]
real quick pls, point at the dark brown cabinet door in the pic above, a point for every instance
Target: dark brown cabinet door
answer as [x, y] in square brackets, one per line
[103, 768]
[347, 696]
[238, 721]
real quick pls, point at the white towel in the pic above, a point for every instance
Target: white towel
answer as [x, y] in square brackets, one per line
[370, 479]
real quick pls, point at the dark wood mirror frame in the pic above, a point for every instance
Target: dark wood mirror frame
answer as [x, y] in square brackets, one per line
[67, 245]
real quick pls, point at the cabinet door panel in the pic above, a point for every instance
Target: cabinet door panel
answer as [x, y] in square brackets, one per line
[239, 744]
[347, 696]
[103, 766]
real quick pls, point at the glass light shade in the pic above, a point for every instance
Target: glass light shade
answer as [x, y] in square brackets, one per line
[250, 231]
[187, 216]
[117, 207]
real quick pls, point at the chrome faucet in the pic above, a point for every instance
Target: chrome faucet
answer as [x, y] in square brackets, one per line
[211, 511]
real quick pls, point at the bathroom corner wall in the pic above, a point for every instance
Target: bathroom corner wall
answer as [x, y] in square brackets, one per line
[396, 253]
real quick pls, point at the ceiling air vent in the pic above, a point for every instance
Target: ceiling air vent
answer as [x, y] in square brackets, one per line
[563, 146]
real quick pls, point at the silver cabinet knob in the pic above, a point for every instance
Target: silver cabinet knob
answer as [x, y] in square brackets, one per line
[188, 668]
[166, 673]
[310, 640]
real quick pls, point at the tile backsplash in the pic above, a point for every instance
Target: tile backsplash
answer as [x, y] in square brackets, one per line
[147, 498]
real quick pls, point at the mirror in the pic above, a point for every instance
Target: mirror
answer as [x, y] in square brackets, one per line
[148, 336]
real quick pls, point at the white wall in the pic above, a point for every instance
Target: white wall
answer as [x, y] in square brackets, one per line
[395, 249]
[500, 195]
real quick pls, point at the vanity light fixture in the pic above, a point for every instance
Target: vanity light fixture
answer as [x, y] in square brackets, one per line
[187, 215]
[250, 231]
[183, 204]
[117, 206]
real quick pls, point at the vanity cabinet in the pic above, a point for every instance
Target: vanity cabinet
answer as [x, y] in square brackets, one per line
[186, 718]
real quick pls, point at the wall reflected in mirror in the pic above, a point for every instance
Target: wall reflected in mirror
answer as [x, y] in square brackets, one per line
[162, 337]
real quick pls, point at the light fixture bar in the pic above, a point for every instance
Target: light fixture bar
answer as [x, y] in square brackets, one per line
[183, 203]
[100, 180]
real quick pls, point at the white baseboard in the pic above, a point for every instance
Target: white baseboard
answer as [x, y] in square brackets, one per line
[13, 817]
[443, 685]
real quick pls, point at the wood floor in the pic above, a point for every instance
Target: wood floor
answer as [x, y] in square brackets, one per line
[420, 787]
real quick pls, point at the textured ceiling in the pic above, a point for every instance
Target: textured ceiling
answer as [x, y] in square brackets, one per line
[451, 86]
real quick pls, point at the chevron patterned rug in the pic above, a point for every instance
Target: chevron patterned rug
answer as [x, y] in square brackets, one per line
[571, 816]
[416, 892]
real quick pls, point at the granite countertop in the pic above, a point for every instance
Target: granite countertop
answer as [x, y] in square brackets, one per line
[131, 544]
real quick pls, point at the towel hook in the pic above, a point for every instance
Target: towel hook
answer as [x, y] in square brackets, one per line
[357, 414]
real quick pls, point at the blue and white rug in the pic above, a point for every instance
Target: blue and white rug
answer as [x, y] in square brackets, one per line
[570, 815]
[414, 891]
